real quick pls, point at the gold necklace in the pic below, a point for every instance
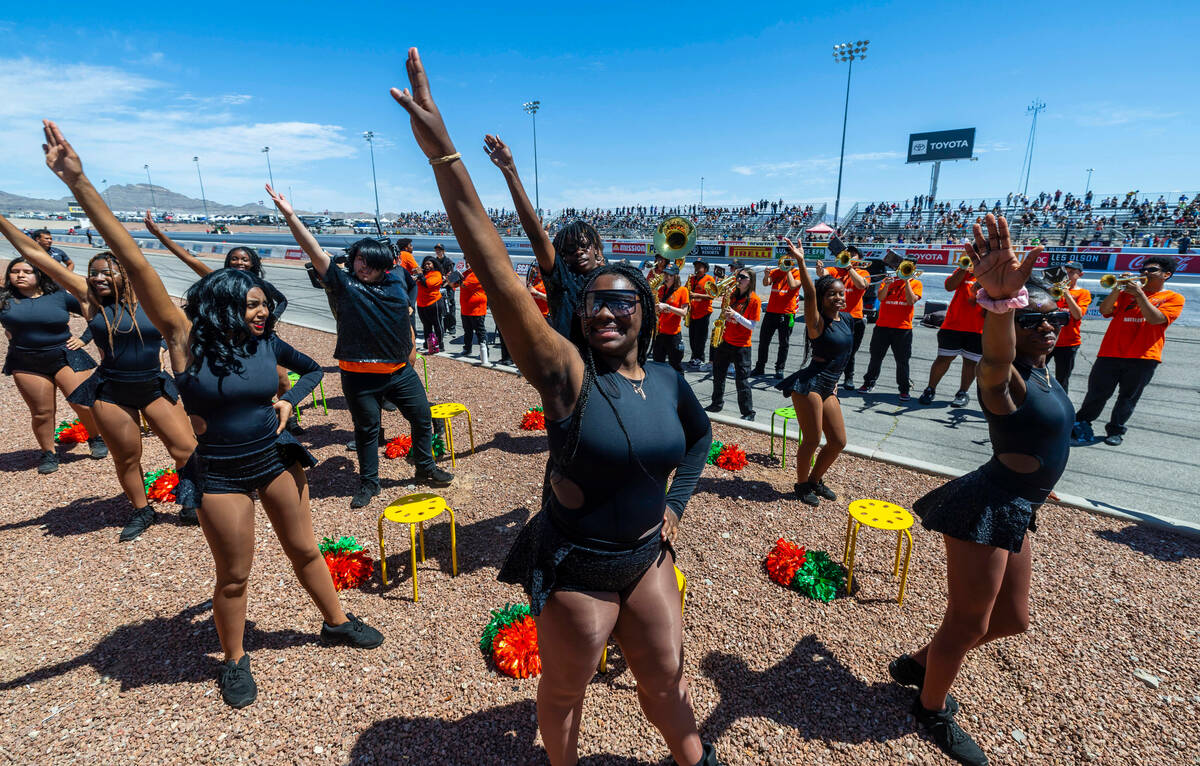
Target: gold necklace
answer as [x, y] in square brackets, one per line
[637, 386]
[1044, 379]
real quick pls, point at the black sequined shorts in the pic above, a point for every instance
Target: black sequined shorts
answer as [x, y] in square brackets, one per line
[810, 380]
[239, 475]
[47, 361]
[137, 394]
[981, 507]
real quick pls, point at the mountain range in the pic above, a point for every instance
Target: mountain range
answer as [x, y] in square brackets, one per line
[130, 197]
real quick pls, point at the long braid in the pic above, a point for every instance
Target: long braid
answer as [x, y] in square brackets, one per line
[126, 299]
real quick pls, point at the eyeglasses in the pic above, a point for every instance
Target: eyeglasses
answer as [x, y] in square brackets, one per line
[1149, 270]
[1032, 320]
[620, 303]
[743, 276]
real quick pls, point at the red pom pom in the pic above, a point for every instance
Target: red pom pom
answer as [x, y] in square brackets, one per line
[731, 458]
[349, 570]
[534, 420]
[163, 488]
[515, 649]
[75, 433]
[398, 447]
[783, 561]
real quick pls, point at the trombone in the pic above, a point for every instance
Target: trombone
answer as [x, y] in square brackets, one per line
[846, 261]
[906, 270]
[1109, 281]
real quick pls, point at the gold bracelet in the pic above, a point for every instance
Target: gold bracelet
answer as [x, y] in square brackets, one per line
[443, 160]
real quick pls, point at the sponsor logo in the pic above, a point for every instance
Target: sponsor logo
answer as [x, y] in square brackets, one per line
[920, 147]
[629, 248]
[756, 252]
[293, 254]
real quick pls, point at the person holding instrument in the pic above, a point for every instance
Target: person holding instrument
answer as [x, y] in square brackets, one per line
[829, 336]
[597, 560]
[701, 308]
[429, 296]
[959, 335]
[671, 303]
[224, 353]
[130, 380]
[984, 516]
[741, 309]
[898, 298]
[856, 281]
[1076, 301]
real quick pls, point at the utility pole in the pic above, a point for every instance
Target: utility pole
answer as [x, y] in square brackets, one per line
[531, 108]
[267, 151]
[370, 138]
[702, 194]
[202, 197]
[1027, 166]
[152, 203]
[1089, 181]
[846, 52]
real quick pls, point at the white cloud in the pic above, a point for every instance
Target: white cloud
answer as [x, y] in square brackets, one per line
[616, 196]
[1107, 114]
[809, 165]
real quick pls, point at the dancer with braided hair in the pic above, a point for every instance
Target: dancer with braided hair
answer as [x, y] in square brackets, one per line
[130, 379]
[597, 560]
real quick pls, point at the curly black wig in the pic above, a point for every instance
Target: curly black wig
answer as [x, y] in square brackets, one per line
[216, 306]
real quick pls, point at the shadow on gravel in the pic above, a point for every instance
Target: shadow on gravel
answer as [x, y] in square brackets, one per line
[810, 691]
[81, 516]
[1156, 543]
[532, 444]
[737, 487]
[22, 460]
[163, 650]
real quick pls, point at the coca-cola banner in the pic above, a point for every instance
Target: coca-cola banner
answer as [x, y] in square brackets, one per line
[1188, 264]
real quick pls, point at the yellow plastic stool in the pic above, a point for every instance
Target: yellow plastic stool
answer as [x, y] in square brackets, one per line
[415, 510]
[293, 377]
[680, 581]
[446, 412]
[880, 515]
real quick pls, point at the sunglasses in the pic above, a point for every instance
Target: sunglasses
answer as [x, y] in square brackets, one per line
[743, 276]
[1032, 320]
[1149, 270]
[620, 303]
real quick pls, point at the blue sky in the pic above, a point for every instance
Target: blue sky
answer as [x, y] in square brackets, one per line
[638, 100]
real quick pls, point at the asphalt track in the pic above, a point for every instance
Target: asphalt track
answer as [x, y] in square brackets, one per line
[1156, 472]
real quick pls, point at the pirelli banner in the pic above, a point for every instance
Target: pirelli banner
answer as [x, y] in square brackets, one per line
[941, 145]
[750, 252]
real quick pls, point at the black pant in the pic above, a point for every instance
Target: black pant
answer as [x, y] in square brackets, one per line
[473, 327]
[448, 310]
[1064, 363]
[365, 392]
[771, 323]
[900, 342]
[698, 336]
[431, 324]
[858, 326]
[722, 355]
[1128, 377]
[669, 348]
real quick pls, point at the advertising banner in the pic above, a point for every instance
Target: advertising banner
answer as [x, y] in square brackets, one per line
[941, 145]
[816, 251]
[628, 248]
[938, 256]
[751, 252]
[1188, 264]
[1057, 256]
[293, 254]
[705, 252]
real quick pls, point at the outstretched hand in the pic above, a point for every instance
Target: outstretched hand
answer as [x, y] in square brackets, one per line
[280, 201]
[427, 125]
[151, 226]
[997, 268]
[498, 152]
[792, 251]
[60, 155]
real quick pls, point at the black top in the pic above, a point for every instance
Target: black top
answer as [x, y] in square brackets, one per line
[372, 319]
[39, 323]
[236, 408]
[563, 285]
[134, 351]
[624, 481]
[58, 255]
[831, 349]
[1040, 428]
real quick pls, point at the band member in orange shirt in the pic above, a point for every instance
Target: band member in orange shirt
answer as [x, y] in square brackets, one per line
[672, 307]
[893, 329]
[1131, 350]
[961, 334]
[473, 305]
[856, 282]
[781, 313]
[429, 295]
[405, 259]
[701, 308]
[1076, 301]
[537, 288]
[745, 309]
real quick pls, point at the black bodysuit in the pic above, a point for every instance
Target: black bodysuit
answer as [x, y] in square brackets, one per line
[830, 354]
[134, 351]
[41, 323]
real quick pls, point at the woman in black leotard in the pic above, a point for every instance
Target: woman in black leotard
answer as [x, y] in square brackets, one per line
[224, 354]
[984, 515]
[35, 315]
[130, 379]
[813, 390]
[597, 560]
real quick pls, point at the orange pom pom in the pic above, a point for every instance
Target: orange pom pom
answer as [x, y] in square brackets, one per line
[515, 649]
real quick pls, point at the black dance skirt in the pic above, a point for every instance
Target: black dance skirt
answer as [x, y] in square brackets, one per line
[819, 380]
[983, 506]
[542, 559]
[239, 475]
[47, 361]
[138, 393]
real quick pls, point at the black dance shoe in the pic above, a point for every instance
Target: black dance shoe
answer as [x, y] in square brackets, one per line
[824, 491]
[362, 498]
[139, 522]
[353, 632]
[945, 732]
[808, 494]
[237, 685]
[49, 462]
[98, 448]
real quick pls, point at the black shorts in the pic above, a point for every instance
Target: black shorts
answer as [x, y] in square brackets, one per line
[955, 342]
[47, 361]
[137, 394]
[984, 506]
[239, 475]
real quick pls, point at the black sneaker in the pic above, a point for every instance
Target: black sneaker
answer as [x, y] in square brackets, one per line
[49, 462]
[848, 383]
[388, 405]
[189, 517]
[434, 477]
[808, 493]
[1113, 440]
[362, 498]
[961, 399]
[352, 446]
[138, 523]
[749, 416]
[98, 447]
[237, 685]
[1082, 434]
[759, 371]
[926, 396]
[710, 756]
[866, 388]
[353, 632]
[945, 732]
[778, 375]
[824, 491]
[904, 397]
[293, 426]
[714, 407]
[908, 672]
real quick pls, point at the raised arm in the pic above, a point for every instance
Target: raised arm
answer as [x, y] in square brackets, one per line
[31, 251]
[812, 312]
[168, 318]
[308, 243]
[194, 263]
[502, 158]
[550, 362]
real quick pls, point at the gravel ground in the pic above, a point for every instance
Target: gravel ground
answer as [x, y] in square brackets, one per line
[108, 653]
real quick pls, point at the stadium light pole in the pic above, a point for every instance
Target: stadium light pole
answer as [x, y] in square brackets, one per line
[104, 183]
[702, 194]
[846, 52]
[271, 176]
[369, 136]
[531, 108]
[153, 205]
[1033, 109]
[1089, 182]
[203, 198]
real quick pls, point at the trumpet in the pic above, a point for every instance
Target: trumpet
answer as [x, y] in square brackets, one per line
[786, 262]
[964, 262]
[907, 270]
[1109, 281]
[846, 261]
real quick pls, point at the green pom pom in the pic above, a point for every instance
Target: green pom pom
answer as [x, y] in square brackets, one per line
[439, 446]
[344, 544]
[820, 577]
[713, 451]
[64, 426]
[501, 618]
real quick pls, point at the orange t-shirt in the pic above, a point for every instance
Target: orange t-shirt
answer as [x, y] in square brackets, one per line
[701, 307]
[408, 262]
[540, 286]
[854, 296]
[472, 300]
[668, 323]
[735, 334]
[1070, 335]
[378, 368]
[1130, 336]
[430, 292]
[784, 299]
[964, 313]
[894, 309]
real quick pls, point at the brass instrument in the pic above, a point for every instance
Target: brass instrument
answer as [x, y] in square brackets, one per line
[680, 263]
[656, 281]
[722, 289]
[1109, 281]
[675, 237]
[1059, 281]
[964, 262]
[907, 270]
[786, 263]
[846, 261]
